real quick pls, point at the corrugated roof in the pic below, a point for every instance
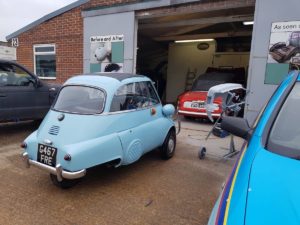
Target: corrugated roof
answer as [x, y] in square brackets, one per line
[47, 17]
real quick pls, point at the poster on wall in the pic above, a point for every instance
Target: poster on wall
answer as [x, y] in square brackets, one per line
[284, 51]
[107, 53]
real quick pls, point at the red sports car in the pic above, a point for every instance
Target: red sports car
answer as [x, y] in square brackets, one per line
[191, 104]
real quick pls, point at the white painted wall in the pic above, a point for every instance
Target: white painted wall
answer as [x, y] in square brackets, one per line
[231, 59]
[184, 56]
[8, 53]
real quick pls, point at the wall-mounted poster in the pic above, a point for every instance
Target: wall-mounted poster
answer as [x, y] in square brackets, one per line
[107, 53]
[284, 51]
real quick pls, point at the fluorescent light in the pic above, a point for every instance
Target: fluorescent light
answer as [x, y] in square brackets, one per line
[196, 40]
[246, 23]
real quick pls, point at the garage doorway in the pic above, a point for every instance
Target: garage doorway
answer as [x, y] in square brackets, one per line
[224, 41]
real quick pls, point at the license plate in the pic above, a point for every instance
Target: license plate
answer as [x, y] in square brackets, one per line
[47, 155]
[194, 105]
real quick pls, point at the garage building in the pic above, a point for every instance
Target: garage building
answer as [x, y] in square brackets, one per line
[153, 38]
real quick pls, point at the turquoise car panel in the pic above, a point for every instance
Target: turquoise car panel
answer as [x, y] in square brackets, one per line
[277, 200]
[233, 204]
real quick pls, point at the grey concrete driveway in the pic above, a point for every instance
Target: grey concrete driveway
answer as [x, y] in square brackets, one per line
[181, 190]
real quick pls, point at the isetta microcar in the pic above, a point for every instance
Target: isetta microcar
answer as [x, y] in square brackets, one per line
[105, 118]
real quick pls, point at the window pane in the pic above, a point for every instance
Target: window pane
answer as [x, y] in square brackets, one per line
[144, 96]
[285, 134]
[45, 65]
[134, 96]
[144, 89]
[11, 75]
[81, 100]
[123, 98]
[44, 49]
[153, 96]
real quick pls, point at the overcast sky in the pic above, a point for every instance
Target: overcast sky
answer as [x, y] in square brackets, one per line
[16, 14]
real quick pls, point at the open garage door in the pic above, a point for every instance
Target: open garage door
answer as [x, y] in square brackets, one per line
[177, 47]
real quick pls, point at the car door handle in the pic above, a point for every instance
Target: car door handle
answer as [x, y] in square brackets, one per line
[2, 95]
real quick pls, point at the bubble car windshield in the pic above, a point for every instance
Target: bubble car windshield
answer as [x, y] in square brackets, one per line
[80, 100]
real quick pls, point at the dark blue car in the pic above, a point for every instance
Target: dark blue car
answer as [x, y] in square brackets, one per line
[23, 95]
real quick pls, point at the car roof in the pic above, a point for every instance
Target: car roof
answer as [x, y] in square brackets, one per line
[110, 82]
[115, 77]
[4, 61]
[10, 62]
[119, 76]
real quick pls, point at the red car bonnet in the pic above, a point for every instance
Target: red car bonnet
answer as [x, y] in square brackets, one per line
[196, 96]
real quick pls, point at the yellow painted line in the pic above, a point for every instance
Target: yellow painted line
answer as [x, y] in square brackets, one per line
[232, 187]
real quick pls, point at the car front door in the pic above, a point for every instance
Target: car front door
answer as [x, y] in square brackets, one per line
[142, 109]
[154, 130]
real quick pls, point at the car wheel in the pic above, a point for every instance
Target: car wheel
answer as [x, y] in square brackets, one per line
[65, 183]
[167, 150]
[202, 153]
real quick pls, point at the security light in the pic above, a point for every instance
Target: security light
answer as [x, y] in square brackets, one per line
[195, 40]
[247, 23]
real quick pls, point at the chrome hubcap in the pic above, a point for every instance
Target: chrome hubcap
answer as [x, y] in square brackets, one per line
[171, 145]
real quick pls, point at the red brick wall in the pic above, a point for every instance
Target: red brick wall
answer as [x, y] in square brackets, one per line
[66, 32]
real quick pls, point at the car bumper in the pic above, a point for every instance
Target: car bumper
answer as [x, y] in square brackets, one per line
[58, 171]
[200, 114]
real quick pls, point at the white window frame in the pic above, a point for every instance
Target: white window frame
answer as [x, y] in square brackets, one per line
[43, 53]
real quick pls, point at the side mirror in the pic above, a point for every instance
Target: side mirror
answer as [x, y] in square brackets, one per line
[37, 83]
[168, 110]
[236, 126]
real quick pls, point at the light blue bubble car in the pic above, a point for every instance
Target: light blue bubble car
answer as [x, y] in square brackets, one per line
[108, 118]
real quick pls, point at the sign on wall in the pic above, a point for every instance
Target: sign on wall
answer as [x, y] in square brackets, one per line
[107, 53]
[15, 42]
[284, 51]
[8, 53]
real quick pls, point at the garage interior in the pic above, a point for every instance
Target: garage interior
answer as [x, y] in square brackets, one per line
[225, 43]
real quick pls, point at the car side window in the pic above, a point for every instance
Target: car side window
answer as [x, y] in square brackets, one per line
[152, 94]
[124, 98]
[11, 75]
[284, 135]
[134, 96]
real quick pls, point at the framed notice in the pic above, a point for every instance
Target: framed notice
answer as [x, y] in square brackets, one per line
[107, 53]
[283, 51]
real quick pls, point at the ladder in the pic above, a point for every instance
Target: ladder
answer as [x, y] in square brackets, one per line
[189, 79]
